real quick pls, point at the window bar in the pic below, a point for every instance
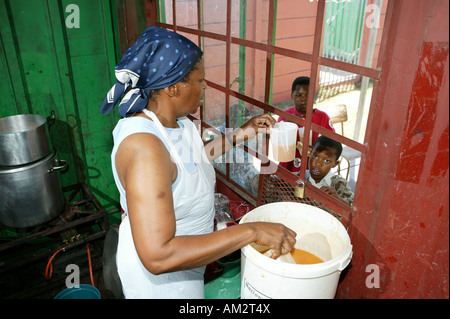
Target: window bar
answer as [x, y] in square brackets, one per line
[201, 42]
[269, 68]
[269, 59]
[174, 15]
[381, 53]
[161, 10]
[313, 78]
[227, 82]
[242, 57]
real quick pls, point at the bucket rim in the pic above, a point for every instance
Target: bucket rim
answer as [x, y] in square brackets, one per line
[325, 268]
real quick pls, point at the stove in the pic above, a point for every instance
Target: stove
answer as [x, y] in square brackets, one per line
[74, 237]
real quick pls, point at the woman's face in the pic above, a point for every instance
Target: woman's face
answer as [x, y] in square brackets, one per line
[192, 92]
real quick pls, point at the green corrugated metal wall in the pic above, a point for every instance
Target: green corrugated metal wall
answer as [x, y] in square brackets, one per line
[343, 30]
[46, 65]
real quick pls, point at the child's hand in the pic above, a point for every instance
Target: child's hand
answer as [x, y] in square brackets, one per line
[330, 191]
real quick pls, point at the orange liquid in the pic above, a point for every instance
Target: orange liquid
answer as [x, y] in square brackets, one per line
[304, 257]
[283, 153]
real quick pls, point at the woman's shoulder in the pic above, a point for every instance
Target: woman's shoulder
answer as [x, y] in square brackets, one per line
[130, 125]
[133, 125]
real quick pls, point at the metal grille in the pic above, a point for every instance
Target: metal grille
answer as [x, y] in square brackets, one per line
[274, 188]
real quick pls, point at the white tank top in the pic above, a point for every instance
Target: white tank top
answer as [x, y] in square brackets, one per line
[193, 196]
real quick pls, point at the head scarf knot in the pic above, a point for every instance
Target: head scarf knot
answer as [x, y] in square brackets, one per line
[159, 58]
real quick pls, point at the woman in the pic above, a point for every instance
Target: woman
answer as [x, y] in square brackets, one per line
[164, 175]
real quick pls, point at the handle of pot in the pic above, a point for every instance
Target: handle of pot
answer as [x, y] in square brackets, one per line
[51, 118]
[56, 168]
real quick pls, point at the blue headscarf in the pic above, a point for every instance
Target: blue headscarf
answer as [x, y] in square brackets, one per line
[159, 58]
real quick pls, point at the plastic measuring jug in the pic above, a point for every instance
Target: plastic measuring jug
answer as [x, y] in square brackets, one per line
[283, 140]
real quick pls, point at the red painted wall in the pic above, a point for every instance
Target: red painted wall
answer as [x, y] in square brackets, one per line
[402, 219]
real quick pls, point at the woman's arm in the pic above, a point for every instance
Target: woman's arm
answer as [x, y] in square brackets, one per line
[147, 172]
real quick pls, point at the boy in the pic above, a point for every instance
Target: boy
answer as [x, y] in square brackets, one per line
[325, 156]
[299, 96]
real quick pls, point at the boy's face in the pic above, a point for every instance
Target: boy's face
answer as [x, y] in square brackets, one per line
[300, 98]
[321, 162]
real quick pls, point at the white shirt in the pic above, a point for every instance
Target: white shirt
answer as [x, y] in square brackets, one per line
[325, 181]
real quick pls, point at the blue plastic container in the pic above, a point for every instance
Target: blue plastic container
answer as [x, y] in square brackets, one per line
[84, 291]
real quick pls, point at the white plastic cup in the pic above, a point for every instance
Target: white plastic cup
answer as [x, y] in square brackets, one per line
[263, 277]
[283, 142]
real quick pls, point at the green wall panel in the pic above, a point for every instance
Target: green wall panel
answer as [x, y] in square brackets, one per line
[48, 66]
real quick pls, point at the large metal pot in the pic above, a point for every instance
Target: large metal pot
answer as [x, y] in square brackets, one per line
[24, 139]
[31, 194]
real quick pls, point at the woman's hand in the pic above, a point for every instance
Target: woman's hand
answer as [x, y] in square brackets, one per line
[223, 143]
[257, 124]
[276, 236]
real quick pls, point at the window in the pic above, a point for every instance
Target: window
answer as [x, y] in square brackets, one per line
[254, 49]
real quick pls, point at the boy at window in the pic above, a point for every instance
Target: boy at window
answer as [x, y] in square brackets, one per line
[325, 156]
[300, 88]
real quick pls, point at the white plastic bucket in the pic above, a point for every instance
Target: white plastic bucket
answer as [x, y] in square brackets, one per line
[263, 277]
